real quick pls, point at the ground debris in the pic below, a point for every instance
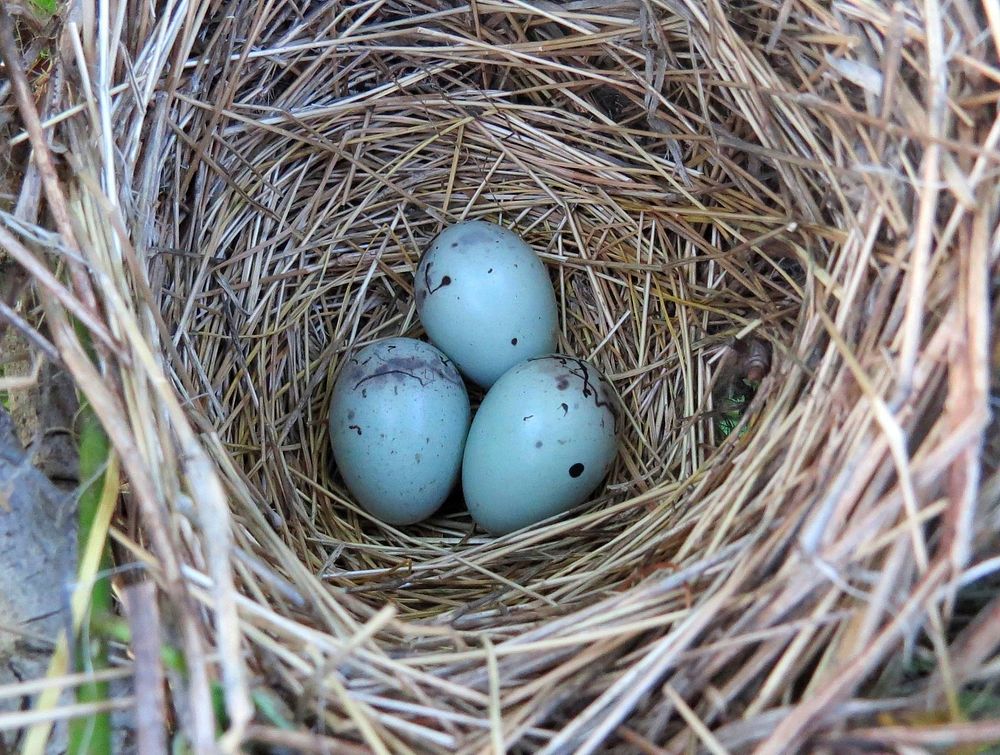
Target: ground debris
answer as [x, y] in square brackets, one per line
[37, 564]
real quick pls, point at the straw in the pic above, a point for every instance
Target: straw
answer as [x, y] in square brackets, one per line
[242, 197]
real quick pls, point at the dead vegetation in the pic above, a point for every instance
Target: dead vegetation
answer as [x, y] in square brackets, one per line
[238, 193]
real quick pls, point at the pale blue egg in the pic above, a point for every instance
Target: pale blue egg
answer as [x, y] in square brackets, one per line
[543, 439]
[399, 417]
[485, 299]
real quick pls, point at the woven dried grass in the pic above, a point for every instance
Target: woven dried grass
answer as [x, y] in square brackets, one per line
[245, 193]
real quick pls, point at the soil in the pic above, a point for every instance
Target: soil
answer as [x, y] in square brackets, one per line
[37, 563]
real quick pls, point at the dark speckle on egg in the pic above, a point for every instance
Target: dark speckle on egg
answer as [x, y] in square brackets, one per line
[569, 372]
[538, 444]
[576, 470]
[513, 342]
[427, 284]
[398, 370]
[353, 372]
[565, 408]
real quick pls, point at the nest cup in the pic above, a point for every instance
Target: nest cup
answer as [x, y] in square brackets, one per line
[309, 218]
[725, 201]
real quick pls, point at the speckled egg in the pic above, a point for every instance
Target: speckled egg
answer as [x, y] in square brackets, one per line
[399, 417]
[485, 299]
[542, 441]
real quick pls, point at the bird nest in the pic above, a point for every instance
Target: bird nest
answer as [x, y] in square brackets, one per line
[771, 225]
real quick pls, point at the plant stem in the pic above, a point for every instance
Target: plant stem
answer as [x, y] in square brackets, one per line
[93, 734]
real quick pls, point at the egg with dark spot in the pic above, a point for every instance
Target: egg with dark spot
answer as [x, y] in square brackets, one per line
[485, 299]
[399, 416]
[531, 454]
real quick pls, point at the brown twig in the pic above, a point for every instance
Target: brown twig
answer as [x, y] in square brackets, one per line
[43, 159]
[150, 712]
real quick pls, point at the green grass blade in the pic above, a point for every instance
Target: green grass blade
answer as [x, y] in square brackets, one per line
[93, 734]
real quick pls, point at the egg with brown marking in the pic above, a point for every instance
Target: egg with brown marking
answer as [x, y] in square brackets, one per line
[542, 441]
[485, 299]
[399, 416]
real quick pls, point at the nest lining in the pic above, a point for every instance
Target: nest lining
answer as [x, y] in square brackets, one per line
[308, 249]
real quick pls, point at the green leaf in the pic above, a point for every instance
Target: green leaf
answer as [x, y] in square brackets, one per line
[979, 704]
[271, 708]
[45, 7]
[92, 734]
